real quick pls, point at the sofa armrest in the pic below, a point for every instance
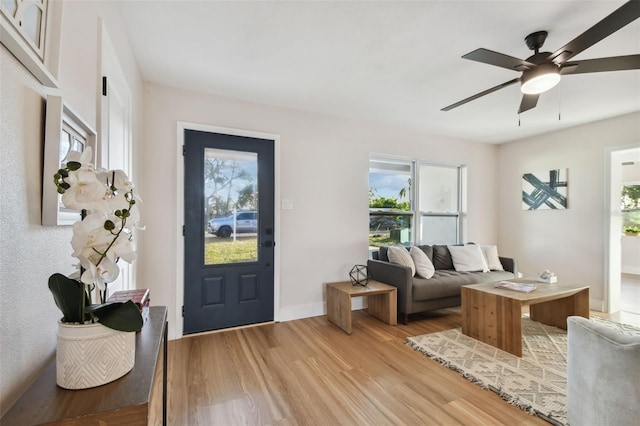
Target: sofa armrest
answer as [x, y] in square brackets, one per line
[602, 374]
[510, 265]
[396, 275]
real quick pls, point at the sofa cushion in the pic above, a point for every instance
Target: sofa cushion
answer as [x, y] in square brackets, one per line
[424, 266]
[447, 283]
[398, 254]
[428, 250]
[468, 258]
[492, 258]
[383, 254]
[442, 257]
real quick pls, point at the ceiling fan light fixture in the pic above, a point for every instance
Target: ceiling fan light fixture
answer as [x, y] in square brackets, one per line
[540, 79]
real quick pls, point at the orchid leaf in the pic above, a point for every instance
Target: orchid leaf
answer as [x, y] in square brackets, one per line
[117, 315]
[68, 293]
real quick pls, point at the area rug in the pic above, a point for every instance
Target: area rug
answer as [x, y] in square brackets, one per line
[536, 383]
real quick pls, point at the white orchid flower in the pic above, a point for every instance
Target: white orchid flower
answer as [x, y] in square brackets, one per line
[121, 181]
[100, 275]
[122, 249]
[84, 157]
[118, 202]
[89, 234]
[85, 192]
[105, 234]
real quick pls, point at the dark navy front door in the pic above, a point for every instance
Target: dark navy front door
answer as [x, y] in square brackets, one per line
[229, 273]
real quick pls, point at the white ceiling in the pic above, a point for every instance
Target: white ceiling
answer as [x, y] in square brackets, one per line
[389, 62]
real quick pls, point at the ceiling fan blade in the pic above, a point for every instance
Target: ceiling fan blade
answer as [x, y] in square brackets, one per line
[498, 59]
[616, 63]
[478, 95]
[528, 102]
[624, 15]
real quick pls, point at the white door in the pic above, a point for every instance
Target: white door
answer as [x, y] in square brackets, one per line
[115, 145]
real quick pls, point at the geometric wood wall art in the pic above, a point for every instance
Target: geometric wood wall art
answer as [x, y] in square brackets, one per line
[546, 190]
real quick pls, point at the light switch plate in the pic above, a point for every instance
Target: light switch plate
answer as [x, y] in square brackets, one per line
[286, 204]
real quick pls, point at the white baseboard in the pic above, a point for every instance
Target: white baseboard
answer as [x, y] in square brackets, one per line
[317, 309]
[290, 313]
[309, 310]
[634, 270]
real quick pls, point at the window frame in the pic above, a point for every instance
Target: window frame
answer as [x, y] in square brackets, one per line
[457, 214]
[414, 214]
[627, 214]
[409, 214]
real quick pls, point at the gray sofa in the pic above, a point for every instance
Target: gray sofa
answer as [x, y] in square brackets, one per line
[417, 294]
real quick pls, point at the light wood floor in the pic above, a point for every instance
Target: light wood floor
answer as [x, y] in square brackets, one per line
[309, 372]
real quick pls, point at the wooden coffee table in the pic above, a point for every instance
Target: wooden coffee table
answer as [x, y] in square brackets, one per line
[494, 315]
[382, 302]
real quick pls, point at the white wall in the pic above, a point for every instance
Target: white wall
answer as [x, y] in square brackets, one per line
[569, 242]
[323, 170]
[29, 252]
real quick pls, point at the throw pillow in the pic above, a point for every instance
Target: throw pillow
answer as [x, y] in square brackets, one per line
[442, 258]
[399, 254]
[468, 258]
[424, 266]
[492, 258]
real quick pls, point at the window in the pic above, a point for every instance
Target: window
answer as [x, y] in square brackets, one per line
[28, 18]
[390, 202]
[230, 183]
[439, 202]
[398, 207]
[71, 139]
[630, 205]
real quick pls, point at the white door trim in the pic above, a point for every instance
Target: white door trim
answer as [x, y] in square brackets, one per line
[109, 66]
[179, 239]
[613, 226]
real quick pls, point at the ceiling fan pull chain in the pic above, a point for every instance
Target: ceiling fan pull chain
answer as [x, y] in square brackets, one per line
[559, 110]
[559, 103]
[518, 119]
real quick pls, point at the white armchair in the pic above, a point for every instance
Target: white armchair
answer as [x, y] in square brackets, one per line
[603, 375]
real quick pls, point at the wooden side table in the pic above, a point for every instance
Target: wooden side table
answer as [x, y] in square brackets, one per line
[382, 299]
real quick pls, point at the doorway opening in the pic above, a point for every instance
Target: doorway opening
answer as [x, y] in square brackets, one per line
[622, 280]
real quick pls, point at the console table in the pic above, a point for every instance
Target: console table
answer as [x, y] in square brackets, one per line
[127, 400]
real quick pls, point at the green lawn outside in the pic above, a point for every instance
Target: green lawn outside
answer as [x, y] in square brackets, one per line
[225, 250]
[380, 240]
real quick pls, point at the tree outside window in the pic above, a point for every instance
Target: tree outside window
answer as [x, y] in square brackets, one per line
[390, 206]
[630, 205]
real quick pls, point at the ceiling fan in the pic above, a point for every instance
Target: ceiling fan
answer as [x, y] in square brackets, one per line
[542, 70]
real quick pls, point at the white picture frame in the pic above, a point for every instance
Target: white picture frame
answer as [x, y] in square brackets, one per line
[42, 61]
[63, 128]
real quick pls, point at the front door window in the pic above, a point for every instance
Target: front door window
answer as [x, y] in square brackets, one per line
[231, 206]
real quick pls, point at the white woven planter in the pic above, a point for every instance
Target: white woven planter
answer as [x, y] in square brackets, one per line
[91, 355]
